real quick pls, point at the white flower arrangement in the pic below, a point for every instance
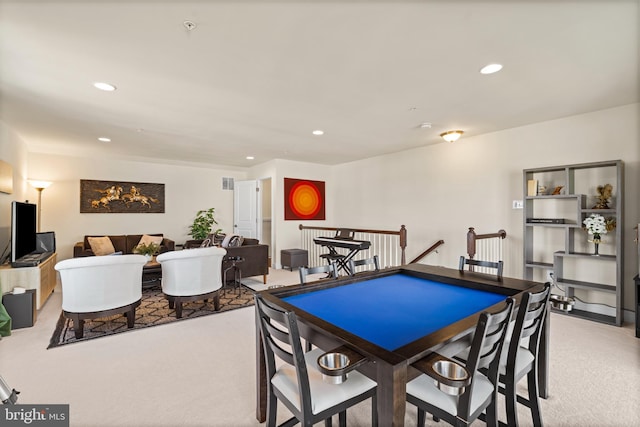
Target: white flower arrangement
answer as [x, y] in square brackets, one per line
[596, 225]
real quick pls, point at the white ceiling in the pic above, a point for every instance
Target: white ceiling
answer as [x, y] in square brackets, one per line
[256, 77]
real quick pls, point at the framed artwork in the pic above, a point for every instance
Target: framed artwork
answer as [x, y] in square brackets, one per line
[303, 199]
[120, 197]
[6, 177]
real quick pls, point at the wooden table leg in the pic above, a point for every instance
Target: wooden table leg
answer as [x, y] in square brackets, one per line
[392, 394]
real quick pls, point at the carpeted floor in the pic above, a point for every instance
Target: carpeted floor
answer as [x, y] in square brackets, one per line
[153, 311]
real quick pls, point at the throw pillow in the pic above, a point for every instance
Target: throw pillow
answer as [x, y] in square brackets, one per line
[146, 239]
[227, 238]
[101, 245]
[236, 241]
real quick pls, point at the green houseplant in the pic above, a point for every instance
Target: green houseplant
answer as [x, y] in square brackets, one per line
[202, 224]
[148, 250]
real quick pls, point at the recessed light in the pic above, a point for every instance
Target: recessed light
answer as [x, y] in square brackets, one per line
[104, 86]
[104, 139]
[318, 132]
[491, 68]
[250, 157]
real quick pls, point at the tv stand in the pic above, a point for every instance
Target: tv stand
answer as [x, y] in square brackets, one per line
[42, 278]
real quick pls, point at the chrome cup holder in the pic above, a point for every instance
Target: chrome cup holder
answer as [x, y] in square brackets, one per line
[451, 371]
[334, 363]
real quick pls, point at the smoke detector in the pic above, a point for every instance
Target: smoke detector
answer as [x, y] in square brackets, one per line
[189, 25]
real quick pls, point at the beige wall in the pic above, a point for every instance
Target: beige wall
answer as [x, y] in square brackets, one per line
[187, 190]
[439, 191]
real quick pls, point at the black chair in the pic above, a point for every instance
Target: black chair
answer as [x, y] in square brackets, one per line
[329, 269]
[297, 382]
[522, 359]
[498, 266]
[480, 390]
[364, 262]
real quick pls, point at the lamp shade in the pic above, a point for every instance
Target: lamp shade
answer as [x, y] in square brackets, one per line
[452, 135]
[39, 185]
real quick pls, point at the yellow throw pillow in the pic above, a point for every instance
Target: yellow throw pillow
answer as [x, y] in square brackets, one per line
[146, 239]
[101, 245]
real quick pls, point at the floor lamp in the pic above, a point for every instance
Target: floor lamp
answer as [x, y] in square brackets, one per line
[39, 185]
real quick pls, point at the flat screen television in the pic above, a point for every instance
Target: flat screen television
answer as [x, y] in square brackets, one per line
[23, 229]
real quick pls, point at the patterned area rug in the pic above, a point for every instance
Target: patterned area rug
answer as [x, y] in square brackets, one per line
[153, 310]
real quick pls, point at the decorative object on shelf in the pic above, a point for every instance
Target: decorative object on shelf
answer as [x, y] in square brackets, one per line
[542, 190]
[604, 194]
[201, 227]
[120, 197]
[557, 190]
[532, 187]
[596, 224]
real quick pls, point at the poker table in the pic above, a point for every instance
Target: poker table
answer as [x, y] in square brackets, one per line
[393, 318]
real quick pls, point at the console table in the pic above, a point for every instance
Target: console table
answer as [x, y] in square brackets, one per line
[42, 278]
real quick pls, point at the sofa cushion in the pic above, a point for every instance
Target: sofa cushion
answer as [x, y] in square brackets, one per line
[236, 241]
[146, 240]
[101, 245]
[227, 239]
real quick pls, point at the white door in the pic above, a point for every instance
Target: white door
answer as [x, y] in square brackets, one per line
[245, 209]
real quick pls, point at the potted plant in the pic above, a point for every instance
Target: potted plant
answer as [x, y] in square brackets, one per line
[148, 250]
[201, 226]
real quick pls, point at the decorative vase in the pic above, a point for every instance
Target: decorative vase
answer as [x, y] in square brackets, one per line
[149, 257]
[596, 242]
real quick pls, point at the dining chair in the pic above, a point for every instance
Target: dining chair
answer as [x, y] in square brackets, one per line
[296, 380]
[479, 392]
[330, 269]
[192, 275]
[498, 265]
[523, 359]
[364, 262]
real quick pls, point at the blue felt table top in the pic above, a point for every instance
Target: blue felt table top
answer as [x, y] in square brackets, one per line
[395, 310]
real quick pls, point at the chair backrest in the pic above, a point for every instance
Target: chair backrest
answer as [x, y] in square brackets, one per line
[192, 272]
[364, 262]
[475, 263]
[281, 339]
[99, 283]
[345, 233]
[486, 349]
[531, 315]
[329, 269]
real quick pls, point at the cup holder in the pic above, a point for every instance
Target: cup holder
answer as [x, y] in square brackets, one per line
[333, 366]
[560, 302]
[450, 372]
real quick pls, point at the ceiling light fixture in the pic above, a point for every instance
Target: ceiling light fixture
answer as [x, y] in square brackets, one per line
[425, 125]
[452, 135]
[189, 25]
[104, 139]
[318, 132]
[250, 157]
[104, 86]
[491, 68]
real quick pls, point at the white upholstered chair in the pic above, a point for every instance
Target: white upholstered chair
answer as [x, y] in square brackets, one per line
[100, 286]
[191, 275]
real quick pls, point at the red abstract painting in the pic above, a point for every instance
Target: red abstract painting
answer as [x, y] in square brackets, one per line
[303, 199]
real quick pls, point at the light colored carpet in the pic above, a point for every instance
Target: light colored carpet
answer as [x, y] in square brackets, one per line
[201, 372]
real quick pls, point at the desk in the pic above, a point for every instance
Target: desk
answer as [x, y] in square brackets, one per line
[353, 247]
[399, 343]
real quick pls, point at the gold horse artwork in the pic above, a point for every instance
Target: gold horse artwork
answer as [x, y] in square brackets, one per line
[121, 197]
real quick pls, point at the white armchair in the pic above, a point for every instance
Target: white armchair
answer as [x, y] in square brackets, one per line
[191, 275]
[101, 286]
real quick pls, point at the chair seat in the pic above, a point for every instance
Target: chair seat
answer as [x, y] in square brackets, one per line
[332, 256]
[524, 360]
[424, 388]
[323, 395]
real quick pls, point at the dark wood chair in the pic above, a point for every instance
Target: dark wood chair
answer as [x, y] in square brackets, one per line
[297, 383]
[498, 266]
[364, 262]
[480, 389]
[329, 269]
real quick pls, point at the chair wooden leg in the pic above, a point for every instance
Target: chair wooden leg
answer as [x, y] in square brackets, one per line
[216, 301]
[131, 318]
[78, 326]
[342, 419]
[171, 303]
[491, 419]
[328, 422]
[534, 400]
[374, 410]
[264, 278]
[178, 309]
[421, 418]
[511, 401]
[272, 407]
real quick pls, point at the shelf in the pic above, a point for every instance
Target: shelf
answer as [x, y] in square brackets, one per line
[596, 317]
[542, 224]
[534, 264]
[612, 212]
[579, 284]
[557, 196]
[586, 255]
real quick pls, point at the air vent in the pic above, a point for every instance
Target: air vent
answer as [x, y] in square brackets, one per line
[227, 183]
